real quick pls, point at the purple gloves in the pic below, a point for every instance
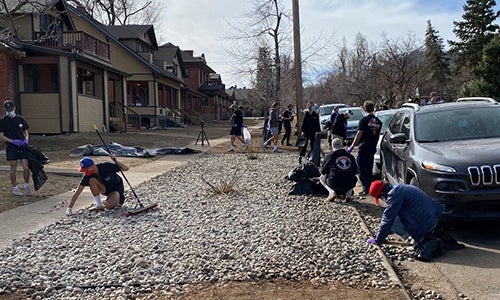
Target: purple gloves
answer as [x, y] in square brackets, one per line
[371, 241]
[349, 149]
[18, 143]
[25, 141]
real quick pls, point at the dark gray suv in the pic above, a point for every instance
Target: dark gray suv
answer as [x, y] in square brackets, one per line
[452, 152]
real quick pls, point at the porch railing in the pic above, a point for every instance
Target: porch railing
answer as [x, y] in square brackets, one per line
[123, 118]
[74, 41]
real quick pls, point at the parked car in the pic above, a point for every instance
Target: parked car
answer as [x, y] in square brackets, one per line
[325, 111]
[450, 151]
[486, 99]
[385, 116]
[355, 114]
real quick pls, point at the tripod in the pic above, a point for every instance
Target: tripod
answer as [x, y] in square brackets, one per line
[203, 136]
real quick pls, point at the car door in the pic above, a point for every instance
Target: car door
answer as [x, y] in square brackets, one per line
[393, 152]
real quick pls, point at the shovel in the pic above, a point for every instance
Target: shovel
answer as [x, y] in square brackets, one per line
[141, 207]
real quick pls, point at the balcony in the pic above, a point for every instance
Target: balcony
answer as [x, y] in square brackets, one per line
[74, 41]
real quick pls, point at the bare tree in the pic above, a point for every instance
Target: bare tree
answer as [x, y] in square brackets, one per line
[122, 12]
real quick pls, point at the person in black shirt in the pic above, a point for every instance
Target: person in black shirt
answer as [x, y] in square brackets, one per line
[236, 126]
[310, 126]
[338, 172]
[14, 132]
[367, 137]
[103, 179]
[287, 118]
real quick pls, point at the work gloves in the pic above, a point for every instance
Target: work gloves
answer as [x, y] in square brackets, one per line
[371, 241]
[20, 143]
[349, 149]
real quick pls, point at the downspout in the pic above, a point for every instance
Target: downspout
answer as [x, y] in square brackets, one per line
[70, 96]
[104, 102]
[155, 93]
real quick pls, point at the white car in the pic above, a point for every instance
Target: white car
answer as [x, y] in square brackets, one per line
[324, 113]
[355, 114]
[385, 116]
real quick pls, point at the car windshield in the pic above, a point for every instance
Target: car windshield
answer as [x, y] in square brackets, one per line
[457, 124]
[386, 119]
[327, 110]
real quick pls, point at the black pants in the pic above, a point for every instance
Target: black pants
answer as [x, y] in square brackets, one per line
[310, 141]
[288, 133]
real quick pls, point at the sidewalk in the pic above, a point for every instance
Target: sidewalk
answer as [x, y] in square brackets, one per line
[21, 221]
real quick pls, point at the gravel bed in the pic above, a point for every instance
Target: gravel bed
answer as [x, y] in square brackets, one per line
[256, 232]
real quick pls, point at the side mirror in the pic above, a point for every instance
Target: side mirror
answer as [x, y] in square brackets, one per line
[398, 138]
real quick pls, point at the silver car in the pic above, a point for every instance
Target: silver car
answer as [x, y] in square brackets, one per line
[385, 116]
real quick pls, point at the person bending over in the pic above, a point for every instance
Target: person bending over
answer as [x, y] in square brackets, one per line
[102, 179]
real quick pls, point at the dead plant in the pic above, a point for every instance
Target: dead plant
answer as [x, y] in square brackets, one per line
[250, 153]
[224, 186]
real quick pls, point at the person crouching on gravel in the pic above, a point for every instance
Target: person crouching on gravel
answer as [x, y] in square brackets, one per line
[338, 172]
[418, 213]
[103, 179]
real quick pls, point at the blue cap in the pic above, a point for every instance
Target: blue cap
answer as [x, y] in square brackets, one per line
[85, 163]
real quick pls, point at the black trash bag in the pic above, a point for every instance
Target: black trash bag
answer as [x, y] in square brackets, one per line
[308, 186]
[304, 187]
[449, 242]
[305, 170]
[36, 160]
[429, 249]
[315, 154]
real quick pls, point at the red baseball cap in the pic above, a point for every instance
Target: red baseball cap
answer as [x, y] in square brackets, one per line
[375, 189]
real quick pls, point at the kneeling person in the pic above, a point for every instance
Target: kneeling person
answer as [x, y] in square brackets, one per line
[339, 172]
[103, 179]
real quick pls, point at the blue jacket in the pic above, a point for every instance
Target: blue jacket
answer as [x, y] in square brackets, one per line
[418, 212]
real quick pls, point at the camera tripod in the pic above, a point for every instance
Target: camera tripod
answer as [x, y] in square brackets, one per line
[202, 135]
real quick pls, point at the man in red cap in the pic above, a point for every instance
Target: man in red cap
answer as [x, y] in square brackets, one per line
[102, 179]
[419, 215]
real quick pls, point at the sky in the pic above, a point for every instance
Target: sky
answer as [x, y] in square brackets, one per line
[201, 25]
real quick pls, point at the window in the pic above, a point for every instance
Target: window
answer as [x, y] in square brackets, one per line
[137, 93]
[86, 82]
[41, 78]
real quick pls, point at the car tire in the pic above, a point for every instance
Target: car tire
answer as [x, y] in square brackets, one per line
[414, 181]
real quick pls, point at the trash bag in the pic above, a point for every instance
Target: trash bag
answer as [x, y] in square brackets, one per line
[449, 242]
[308, 186]
[36, 160]
[304, 187]
[428, 249]
[303, 171]
[315, 154]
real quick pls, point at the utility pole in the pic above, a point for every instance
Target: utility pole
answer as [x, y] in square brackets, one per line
[297, 62]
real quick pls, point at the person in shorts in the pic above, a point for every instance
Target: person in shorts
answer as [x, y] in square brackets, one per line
[14, 132]
[236, 127]
[273, 126]
[102, 179]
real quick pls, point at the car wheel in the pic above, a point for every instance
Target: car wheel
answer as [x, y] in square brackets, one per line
[414, 181]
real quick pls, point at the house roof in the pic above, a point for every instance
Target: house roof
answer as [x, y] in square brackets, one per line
[168, 52]
[189, 59]
[132, 32]
[239, 94]
[103, 29]
[38, 7]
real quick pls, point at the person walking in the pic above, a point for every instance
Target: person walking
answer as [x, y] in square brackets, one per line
[273, 127]
[367, 137]
[419, 215]
[102, 179]
[287, 118]
[309, 128]
[236, 126]
[338, 172]
[14, 132]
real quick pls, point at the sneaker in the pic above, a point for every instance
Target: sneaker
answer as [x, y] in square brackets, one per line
[276, 150]
[69, 211]
[264, 146]
[331, 197]
[231, 149]
[16, 191]
[28, 191]
[96, 208]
